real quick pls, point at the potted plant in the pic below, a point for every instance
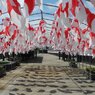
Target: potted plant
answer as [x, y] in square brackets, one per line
[79, 58]
[73, 63]
[91, 73]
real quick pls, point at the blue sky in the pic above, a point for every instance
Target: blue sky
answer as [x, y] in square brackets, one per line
[46, 9]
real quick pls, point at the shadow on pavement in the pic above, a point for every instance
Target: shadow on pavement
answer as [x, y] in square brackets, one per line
[39, 59]
[53, 53]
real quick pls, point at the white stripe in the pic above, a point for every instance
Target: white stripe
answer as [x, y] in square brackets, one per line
[12, 3]
[18, 20]
[25, 10]
[40, 4]
[93, 25]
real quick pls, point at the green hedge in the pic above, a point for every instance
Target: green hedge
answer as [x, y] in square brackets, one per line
[91, 69]
[4, 62]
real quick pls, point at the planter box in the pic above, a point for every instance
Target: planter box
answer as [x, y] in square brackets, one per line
[10, 66]
[5, 64]
[13, 65]
[7, 67]
[2, 72]
[17, 63]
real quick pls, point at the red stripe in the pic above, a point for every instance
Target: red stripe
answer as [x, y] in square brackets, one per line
[17, 7]
[30, 4]
[9, 7]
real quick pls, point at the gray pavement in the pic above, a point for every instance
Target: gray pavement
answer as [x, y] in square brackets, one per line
[48, 76]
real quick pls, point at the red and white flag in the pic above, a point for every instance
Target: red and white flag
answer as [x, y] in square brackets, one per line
[15, 5]
[28, 7]
[0, 12]
[40, 4]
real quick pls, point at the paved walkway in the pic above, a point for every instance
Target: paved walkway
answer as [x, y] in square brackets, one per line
[46, 76]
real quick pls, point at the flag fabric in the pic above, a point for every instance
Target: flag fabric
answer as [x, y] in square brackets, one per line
[28, 7]
[0, 12]
[72, 29]
[15, 5]
[40, 4]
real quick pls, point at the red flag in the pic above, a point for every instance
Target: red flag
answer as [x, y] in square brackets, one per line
[58, 34]
[92, 35]
[0, 12]
[90, 17]
[16, 6]
[14, 35]
[30, 5]
[75, 4]
[67, 33]
[9, 7]
[7, 31]
[30, 28]
[13, 4]
[65, 9]
[59, 10]
[42, 22]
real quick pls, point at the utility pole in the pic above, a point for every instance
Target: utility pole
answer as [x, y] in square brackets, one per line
[41, 15]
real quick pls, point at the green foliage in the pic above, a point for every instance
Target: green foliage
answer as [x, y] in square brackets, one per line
[2, 69]
[4, 62]
[91, 69]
